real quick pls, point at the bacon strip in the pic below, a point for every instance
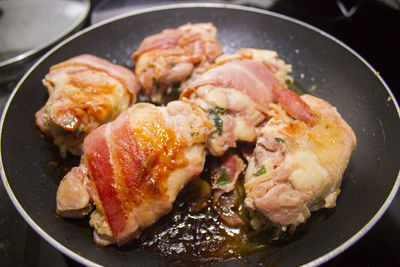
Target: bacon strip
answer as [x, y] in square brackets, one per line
[101, 172]
[293, 104]
[130, 160]
[257, 82]
[249, 76]
[179, 41]
[164, 40]
[124, 75]
[226, 198]
[84, 92]
[286, 181]
[233, 165]
[166, 59]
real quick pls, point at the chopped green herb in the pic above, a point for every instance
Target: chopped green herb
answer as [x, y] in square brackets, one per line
[217, 119]
[327, 126]
[223, 179]
[172, 64]
[203, 143]
[195, 134]
[219, 110]
[279, 140]
[260, 171]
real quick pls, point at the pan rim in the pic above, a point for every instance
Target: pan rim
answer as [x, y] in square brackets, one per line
[73, 255]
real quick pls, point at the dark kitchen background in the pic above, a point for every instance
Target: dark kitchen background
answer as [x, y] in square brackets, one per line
[370, 27]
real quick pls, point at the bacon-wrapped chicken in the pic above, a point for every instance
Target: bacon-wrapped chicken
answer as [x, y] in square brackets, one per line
[298, 164]
[236, 92]
[166, 59]
[133, 168]
[84, 92]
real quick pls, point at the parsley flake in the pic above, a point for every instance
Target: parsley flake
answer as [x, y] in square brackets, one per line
[260, 171]
[217, 119]
[223, 179]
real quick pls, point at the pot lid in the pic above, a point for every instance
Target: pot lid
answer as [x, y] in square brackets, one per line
[27, 27]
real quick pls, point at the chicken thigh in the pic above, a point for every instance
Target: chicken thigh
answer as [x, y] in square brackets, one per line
[133, 168]
[165, 60]
[297, 166]
[236, 92]
[84, 92]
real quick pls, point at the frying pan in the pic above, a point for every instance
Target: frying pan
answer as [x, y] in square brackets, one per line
[322, 65]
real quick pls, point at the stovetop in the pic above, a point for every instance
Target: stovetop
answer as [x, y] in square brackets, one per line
[372, 28]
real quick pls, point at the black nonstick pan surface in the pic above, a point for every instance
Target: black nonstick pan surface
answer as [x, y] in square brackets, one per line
[322, 65]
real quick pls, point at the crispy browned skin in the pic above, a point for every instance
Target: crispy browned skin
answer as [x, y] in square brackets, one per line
[84, 92]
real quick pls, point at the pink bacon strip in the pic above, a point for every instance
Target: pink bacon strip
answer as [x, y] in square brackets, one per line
[164, 40]
[293, 104]
[233, 166]
[122, 74]
[245, 75]
[257, 82]
[129, 161]
[101, 172]
[114, 161]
